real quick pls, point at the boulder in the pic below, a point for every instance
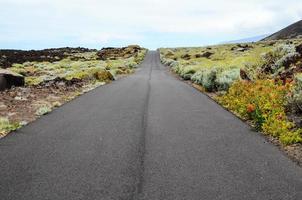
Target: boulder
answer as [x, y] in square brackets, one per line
[241, 47]
[299, 49]
[9, 79]
[206, 54]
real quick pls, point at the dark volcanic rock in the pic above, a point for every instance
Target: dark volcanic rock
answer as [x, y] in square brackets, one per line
[243, 75]
[169, 54]
[207, 54]
[115, 53]
[9, 57]
[299, 49]
[241, 47]
[9, 79]
[186, 57]
[204, 55]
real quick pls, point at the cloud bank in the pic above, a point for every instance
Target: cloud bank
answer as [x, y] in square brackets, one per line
[155, 23]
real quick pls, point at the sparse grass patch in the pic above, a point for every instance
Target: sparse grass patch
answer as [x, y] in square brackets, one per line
[6, 126]
[43, 110]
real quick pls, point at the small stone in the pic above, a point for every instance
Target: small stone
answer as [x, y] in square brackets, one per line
[3, 106]
[23, 123]
[11, 114]
[18, 98]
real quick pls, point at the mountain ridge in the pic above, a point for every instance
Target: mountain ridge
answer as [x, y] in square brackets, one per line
[290, 32]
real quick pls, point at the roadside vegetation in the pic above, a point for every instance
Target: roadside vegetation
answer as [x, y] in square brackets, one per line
[259, 82]
[55, 76]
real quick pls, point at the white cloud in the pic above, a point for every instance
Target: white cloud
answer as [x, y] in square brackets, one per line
[92, 21]
[105, 37]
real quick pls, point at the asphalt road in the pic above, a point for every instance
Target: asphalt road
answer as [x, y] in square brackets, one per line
[148, 136]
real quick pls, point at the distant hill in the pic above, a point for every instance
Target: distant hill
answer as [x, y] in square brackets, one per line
[246, 40]
[292, 31]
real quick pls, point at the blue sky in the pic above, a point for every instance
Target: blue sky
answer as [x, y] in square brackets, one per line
[38, 24]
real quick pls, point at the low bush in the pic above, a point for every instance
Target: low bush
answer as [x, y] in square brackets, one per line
[263, 102]
[104, 75]
[176, 67]
[6, 126]
[43, 110]
[226, 78]
[267, 95]
[167, 61]
[206, 78]
[279, 59]
[186, 72]
[295, 99]
[140, 57]
[216, 78]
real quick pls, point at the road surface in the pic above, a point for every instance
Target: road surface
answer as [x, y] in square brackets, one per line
[148, 136]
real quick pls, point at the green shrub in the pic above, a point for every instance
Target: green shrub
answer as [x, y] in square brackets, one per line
[167, 62]
[131, 64]
[43, 110]
[197, 77]
[140, 56]
[77, 75]
[176, 67]
[32, 80]
[209, 79]
[279, 58]
[291, 137]
[295, 100]
[6, 126]
[252, 70]
[105, 75]
[187, 72]
[206, 78]
[225, 79]
[174, 64]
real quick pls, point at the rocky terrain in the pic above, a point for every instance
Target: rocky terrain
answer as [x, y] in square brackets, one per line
[9, 57]
[32, 83]
[115, 53]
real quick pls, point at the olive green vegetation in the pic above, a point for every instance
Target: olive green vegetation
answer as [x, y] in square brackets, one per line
[44, 109]
[88, 67]
[295, 100]
[217, 67]
[260, 82]
[214, 67]
[7, 126]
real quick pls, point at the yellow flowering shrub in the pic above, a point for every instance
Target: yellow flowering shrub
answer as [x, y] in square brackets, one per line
[291, 137]
[276, 126]
[263, 102]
